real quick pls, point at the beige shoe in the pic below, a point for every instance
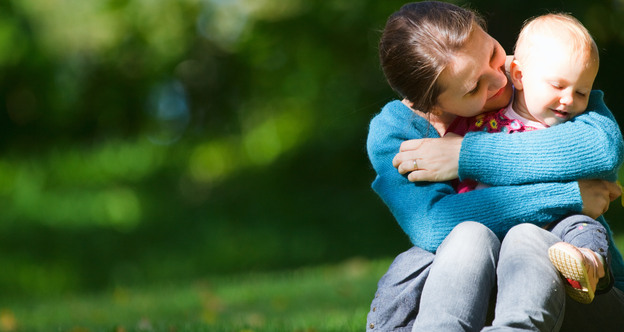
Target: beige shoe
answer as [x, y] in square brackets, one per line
[580, 267]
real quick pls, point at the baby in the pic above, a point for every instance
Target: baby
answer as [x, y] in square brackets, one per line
[553, 71]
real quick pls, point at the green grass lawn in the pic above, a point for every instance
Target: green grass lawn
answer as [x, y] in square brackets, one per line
[323, 298]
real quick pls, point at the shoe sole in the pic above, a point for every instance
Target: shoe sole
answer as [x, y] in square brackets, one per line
[572, 268]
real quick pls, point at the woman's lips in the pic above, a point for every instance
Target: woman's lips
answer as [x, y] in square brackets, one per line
[498, 93]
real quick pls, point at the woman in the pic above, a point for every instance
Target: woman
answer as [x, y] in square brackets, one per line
[440, 60]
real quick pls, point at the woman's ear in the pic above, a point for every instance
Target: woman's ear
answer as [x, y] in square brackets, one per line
[515, 73]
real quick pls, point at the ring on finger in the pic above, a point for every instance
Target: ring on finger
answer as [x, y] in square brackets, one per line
[415, 165]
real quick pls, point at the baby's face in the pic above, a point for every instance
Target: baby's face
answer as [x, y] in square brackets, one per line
[557, 84]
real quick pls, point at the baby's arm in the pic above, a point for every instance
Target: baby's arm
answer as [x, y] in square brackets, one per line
[589, 146]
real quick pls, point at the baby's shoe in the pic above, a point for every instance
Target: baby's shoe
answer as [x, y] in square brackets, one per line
[580, 267]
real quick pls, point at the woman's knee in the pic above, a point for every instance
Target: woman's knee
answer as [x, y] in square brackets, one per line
[527, 239]
[523, 230]
[471, 231]
[529, 233]
[471, 239]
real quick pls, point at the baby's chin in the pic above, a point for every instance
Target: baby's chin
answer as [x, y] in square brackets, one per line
[552, 122]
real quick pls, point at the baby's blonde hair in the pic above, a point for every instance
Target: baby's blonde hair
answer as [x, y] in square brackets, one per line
[555, 25]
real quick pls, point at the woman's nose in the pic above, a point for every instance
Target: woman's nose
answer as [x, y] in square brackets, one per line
[498, 79]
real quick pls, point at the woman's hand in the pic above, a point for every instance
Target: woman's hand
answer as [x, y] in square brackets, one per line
[436, 159]
[596, 196]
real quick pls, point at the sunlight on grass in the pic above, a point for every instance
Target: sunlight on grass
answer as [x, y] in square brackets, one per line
[324, 298]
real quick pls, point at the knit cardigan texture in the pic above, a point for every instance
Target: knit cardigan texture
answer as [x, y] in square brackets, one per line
[532, 174]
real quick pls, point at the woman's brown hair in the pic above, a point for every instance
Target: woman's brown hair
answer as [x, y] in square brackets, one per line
[418, 43]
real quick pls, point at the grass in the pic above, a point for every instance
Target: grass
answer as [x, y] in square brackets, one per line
[323, 298]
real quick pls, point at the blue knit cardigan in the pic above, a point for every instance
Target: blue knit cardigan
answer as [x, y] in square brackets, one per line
[532, 174]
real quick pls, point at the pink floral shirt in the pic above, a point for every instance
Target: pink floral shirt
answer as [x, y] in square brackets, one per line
[505, 120]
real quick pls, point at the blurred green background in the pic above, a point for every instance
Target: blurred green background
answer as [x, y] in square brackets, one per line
[148, 141]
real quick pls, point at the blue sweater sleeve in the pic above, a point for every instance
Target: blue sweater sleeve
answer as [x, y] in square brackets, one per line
[589, 146]
[428, 211]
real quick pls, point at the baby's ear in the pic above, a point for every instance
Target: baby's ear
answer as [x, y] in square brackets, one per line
[515, 72]
[508, 60]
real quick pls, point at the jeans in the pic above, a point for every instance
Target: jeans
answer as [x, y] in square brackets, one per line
[449, 291]
[531, 295]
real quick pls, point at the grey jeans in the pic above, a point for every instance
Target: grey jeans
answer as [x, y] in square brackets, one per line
[449, 291]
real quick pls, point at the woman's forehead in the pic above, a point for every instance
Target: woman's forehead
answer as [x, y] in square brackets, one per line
[467, 65]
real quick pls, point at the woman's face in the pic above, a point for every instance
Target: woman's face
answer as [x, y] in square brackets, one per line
[475, 81]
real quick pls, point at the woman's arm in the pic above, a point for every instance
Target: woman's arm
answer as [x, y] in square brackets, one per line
[428, 211]
[589, 146]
